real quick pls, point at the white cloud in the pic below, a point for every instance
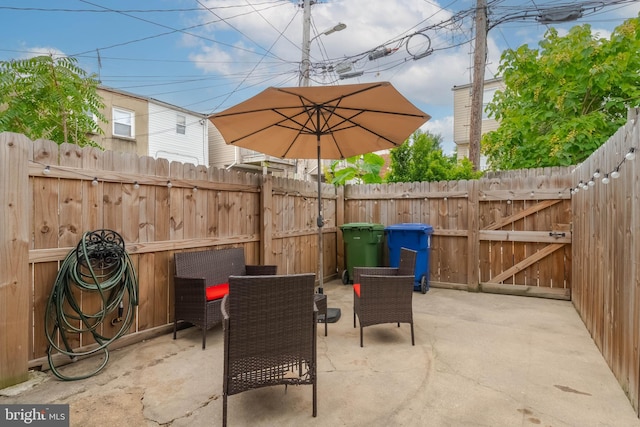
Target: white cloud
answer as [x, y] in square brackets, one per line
[443, 127]
[42, 50]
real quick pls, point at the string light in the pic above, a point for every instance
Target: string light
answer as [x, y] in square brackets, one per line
[616, 173]
[631, 154]
[606, 178]
[47, 170]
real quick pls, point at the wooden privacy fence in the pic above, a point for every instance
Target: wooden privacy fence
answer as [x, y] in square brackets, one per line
[504, 233]
[606, 254]
[509, 233]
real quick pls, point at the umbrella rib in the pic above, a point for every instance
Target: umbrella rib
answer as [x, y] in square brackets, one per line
[285, 118]
[346, 119]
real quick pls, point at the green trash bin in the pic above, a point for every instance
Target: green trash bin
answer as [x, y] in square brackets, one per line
[363, 243]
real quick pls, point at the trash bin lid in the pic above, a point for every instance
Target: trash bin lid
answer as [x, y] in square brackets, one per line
[361, 226]
[410, 226]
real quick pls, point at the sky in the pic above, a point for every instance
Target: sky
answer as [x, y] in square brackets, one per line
[207, 55]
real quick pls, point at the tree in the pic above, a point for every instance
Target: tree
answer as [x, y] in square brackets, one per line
[50, 98]
[364, 169]
[564, 100]
[421, 159]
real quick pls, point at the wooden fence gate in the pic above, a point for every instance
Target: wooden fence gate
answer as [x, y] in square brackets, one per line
[525, 241]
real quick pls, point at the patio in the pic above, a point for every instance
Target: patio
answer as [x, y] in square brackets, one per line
[479, 360]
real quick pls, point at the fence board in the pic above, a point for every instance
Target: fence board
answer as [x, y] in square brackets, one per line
[15, 235]
[146, 201]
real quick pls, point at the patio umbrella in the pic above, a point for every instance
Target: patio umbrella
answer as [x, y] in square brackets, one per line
[321, 122]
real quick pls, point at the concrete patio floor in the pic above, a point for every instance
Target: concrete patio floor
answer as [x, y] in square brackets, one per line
[479, 360]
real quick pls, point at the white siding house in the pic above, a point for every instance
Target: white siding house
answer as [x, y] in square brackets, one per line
[221, 155]
[462, 115]
[176, 134]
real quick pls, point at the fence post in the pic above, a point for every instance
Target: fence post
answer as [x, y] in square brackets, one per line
[340, 207]
[473, 273]
[14, 258]
[266, 229]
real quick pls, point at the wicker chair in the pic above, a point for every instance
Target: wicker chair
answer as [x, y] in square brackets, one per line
[199, 272]
[384, 294]
[406, 266]
[270, 325]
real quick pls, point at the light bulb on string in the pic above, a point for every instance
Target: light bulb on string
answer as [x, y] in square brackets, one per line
[169, 185]
[46, 170]
[95, 181]
[616, 173]
[605, 180]
[136, 185]
[631, 154]
[591, 182]
[596, 174]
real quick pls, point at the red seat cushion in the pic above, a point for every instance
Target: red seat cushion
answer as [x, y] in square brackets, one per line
[217, 291]
[356, 288]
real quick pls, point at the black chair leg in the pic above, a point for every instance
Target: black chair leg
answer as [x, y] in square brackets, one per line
[413, 342]
[224, 410]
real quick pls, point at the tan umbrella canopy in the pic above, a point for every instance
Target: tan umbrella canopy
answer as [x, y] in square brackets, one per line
[321, 122]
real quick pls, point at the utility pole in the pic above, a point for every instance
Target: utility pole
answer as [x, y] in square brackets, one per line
[306, 43]
[477, 90]
[305, 64]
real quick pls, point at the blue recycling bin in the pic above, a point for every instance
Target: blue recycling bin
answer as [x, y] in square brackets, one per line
[414, 236]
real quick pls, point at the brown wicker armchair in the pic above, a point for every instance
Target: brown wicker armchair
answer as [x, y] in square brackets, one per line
[406, 266]
[270, 325]
[201, 281]
[385, 294]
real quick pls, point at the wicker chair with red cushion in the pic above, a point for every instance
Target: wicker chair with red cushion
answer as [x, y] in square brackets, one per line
[384, 294]
[201, 281]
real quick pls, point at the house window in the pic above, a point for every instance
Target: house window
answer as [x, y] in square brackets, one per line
[95, 127]
[123, 123]
[487, 97]
[181, 124]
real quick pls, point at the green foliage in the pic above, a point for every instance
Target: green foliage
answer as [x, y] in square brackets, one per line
[49, 98]
[364, 169]
[421, 159]
[564, 100]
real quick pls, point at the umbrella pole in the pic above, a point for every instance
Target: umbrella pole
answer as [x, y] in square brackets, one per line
[320, 224]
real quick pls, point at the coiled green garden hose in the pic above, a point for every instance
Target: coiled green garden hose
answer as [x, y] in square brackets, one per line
[99, 264]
